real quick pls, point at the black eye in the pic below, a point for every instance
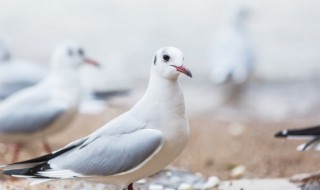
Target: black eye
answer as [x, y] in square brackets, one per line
[165, 57]
[70, 52]
[81, 52]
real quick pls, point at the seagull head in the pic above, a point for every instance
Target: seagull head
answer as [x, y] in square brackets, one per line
[69, 56]
[239, 14]
[168, 63]
[4, 52]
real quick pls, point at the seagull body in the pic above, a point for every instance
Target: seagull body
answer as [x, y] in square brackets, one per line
[232, 53]
[35, 111]
[16, 75]
[310, 133]
[99, 87]
[132, 146]
[46, 108]
[98, 83]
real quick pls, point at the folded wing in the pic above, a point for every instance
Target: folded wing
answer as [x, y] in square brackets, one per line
[102, 156]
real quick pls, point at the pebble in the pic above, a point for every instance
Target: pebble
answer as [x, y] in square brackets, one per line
[142, 181]
[169, 173]
[238, 172]
[155, 187]
[236, 129]
[212, 182]
[184, 186]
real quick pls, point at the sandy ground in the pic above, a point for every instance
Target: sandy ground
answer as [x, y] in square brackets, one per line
[221, 139]
[213, 149]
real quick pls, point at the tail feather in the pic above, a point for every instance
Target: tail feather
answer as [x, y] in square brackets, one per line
[305, 132]
[18, 166]
[36, 161]
[313, 144]
[302, 147]
[39, 168]
[29, 172]
[103, 95]
[33, 168]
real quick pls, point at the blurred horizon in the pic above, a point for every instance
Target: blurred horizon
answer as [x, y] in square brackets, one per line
[125, 35]
[286, 34]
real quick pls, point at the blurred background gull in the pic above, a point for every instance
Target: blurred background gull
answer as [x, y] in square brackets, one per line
[16, 74]
[282, 91]
[48, 107]
[232, 56]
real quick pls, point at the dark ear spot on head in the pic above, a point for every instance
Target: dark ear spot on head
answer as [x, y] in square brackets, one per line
[81, 52]
[154, 59]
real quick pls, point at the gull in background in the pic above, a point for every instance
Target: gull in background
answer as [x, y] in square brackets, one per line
[130, 147]
[47, 107]
[310, 133]
[232, 52]
[15, 74]
[96, 81]
[99, 87]
[232, 56]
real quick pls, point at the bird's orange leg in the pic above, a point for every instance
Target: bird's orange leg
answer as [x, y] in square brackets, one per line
[46, 146]
[16, 151]
[130, 186]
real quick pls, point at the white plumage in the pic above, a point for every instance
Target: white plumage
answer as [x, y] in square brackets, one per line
[47, 107]
[134, 145]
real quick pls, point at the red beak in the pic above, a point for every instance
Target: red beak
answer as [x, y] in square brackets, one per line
[183, 69]
[91, 62]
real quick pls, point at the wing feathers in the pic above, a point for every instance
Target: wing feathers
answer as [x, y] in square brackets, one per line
[305, 132]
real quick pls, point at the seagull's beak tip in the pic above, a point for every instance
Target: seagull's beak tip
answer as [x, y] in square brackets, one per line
[189, 74]
[279, 135]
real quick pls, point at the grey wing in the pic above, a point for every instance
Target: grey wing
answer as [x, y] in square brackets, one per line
[16, 76]
[8, 89]
[29, 115]
[108, 155]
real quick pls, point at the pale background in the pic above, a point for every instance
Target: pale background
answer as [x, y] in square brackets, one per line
[124, 35]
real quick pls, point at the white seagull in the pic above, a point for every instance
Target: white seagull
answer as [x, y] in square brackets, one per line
[99, 87]
[47, 107]
[17, 74]
[232, 55]
[310, 133]
[98, 83]
[132, 146]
